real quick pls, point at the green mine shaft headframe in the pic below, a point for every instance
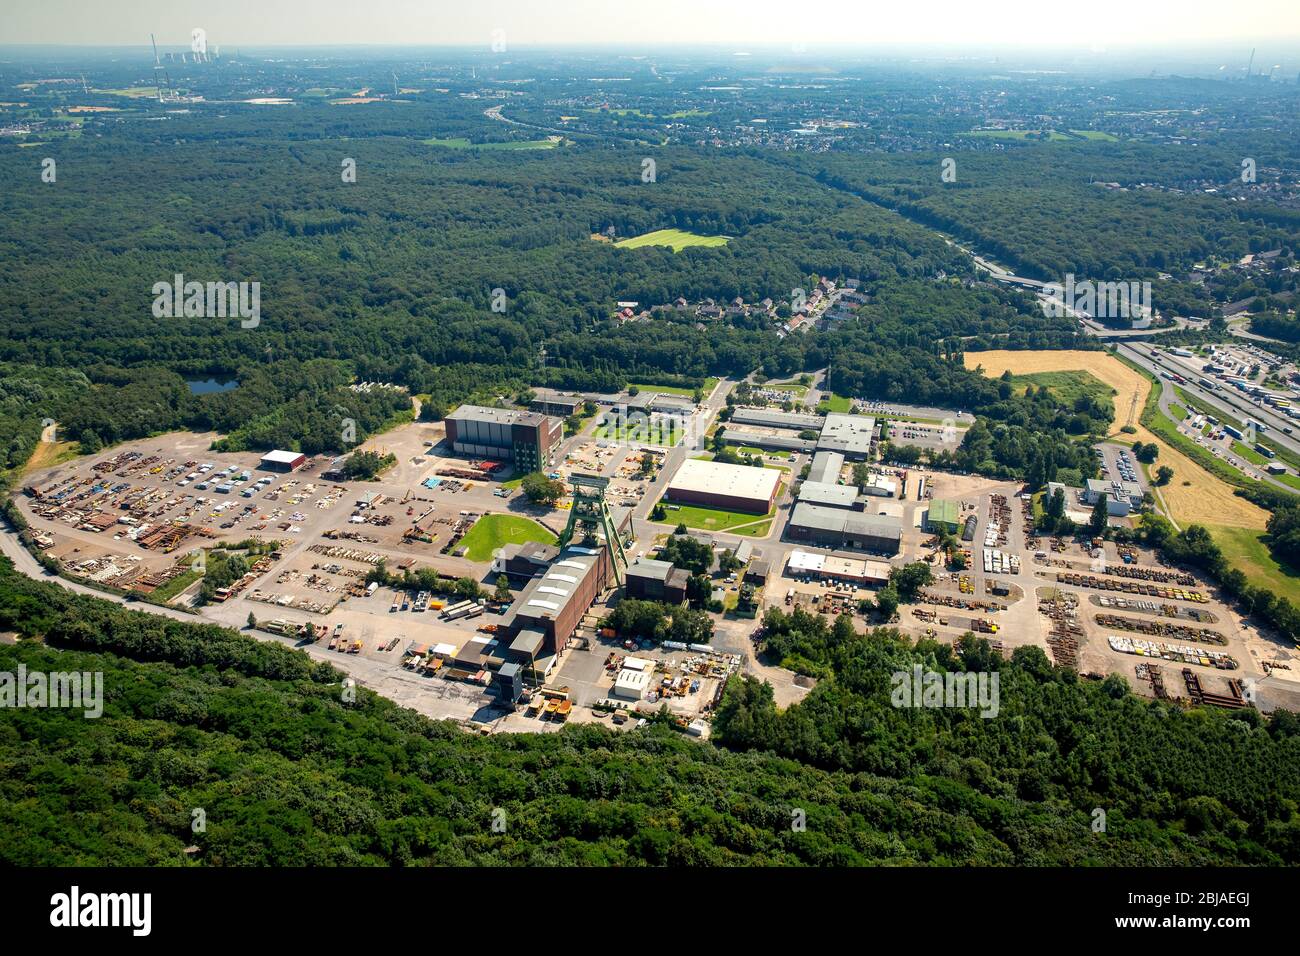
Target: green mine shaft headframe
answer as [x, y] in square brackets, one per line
[591, 512]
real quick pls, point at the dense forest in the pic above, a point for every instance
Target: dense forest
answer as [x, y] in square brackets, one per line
[391, 278]
[259, 738]
[1133, 211]
[1185, 781]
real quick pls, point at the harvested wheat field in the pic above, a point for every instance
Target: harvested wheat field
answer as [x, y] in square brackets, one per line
[1206, 500]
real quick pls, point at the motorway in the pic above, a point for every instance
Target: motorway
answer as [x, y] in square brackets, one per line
[1234, 405]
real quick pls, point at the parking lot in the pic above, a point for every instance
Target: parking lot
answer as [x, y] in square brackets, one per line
[928, 436]
[1117, 463]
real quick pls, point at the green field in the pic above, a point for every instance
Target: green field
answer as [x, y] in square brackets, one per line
[718, 519]
[676, 239]
[663, 437]
[135, 92]
[174, 587]
[624, 111]
[708, 386]
[1095, 134]
[1068, 386]
[459, 142]
[1244, 548]
[1252, 456]
[836, 403]
[1193, 403]
[494, 531]
[1017, 134]
[751, 450]
[1288, 479]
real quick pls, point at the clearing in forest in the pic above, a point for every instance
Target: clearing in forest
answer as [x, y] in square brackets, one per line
[676, 239]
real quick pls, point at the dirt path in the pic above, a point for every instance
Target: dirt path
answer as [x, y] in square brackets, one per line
[48, 451]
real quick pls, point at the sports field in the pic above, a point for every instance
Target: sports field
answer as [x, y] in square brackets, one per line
[491, 532]
[675, 239]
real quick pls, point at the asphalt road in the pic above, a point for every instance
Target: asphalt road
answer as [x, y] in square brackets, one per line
[1230, 403]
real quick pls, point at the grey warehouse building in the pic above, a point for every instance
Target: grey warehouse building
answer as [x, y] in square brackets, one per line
[743, 437]
[830, 495]
[745, 415]
[826, 467]
[842, 528]
[850, 435]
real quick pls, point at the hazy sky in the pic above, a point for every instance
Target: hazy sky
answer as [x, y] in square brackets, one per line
[1081, 24]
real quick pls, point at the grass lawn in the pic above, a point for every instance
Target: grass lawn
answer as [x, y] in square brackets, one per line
[718, 519]
[708, 385]
[1252, 456]
[645, 434]
[134, 92]
[1068, 386]
[1222, 417]
[1096, 134]
[761, 452]
[795, 387]
[174, 587]
[46, 454]
[1283, 454]
[1178, 410]
[494, 531]
[836, 403]
[1244, 548]
[676, 239]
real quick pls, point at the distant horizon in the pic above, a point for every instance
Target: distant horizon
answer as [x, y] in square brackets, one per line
[738, 24]
[1271, 43]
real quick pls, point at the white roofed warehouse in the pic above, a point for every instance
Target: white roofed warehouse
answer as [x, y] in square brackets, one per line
[732, 487]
